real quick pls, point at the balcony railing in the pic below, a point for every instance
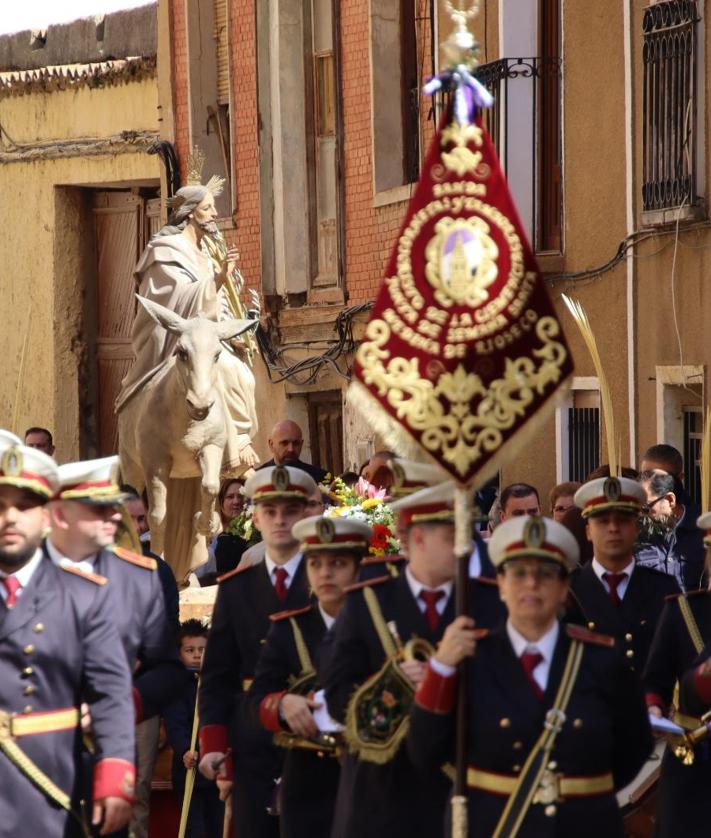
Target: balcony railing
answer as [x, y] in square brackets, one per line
[525, 127]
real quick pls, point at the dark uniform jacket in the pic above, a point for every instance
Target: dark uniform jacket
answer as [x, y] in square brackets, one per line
[59, 647]
[309, 779]
[379, 801]
[633, 622]
[240, 622]
[683, 789]
[606, 730]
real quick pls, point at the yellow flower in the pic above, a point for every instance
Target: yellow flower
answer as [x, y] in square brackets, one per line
[371, 503]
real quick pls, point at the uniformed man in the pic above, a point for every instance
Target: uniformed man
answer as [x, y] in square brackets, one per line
[555, 719]
[380, 792]
[84, 519]
[408, 477]
[286, 689]
[246, 597]
[683, 630]
[611, 594]
[58, 647]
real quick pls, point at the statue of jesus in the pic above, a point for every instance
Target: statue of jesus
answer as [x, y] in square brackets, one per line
[176, 272]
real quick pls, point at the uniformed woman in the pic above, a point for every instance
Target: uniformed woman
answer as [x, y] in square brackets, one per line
[556, 721]
[285, 691]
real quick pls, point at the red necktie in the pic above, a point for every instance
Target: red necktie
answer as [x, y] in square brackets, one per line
[431, 598]
[529, 661]
[280, 577]
[12, 586]
[613, 580]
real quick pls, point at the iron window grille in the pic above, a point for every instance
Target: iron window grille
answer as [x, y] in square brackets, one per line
[693, 418]
[583, 441]
[669, 106]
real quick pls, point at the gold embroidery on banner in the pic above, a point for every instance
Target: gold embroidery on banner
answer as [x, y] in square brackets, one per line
[442, 412]
[408, 300]
[461, 261]
[461, 159]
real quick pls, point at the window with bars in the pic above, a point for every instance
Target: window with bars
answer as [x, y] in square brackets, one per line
[693, 418]
[583, 441]
[669, 108]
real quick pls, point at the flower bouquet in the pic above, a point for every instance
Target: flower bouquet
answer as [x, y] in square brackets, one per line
[368, 504]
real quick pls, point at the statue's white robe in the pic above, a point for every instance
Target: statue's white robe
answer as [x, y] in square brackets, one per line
[173, 273]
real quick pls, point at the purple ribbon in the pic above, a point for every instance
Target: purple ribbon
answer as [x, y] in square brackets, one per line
[470, 95]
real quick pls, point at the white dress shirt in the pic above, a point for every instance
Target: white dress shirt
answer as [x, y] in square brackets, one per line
[290, 567]
[327, 618]
[23, 575]
[474, 562]
[61, 560]
[416, 587]
[545, 646]
[622, 587]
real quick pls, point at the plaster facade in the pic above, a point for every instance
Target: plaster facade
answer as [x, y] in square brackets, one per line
[65, 144]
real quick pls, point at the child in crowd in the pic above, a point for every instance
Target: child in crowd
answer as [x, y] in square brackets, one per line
[206, 810]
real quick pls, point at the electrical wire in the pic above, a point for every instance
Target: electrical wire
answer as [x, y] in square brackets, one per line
[274, 354]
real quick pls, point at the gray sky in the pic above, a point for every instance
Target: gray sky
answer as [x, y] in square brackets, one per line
[17, 15]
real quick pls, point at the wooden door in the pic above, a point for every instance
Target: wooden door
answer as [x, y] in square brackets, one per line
[121, 224]
[326, 430]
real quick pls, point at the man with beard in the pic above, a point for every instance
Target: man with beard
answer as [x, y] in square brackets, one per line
[672, 543]
[58, 646]
[285, 442]
[84, 518]
[176, 272]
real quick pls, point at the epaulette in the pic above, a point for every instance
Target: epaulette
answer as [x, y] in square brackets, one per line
[680, 594]
[485, 580]
[231, 573]
[139, 560]
[386, 559]
[96, 578]
[368, 583]
[282, 615]
[586, 636]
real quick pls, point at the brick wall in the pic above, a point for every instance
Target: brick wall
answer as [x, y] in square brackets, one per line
[370, 231]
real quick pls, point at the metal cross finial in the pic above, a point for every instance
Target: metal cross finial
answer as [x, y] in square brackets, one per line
[459, 46]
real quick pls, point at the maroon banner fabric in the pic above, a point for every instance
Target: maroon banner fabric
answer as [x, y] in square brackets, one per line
[463, 348]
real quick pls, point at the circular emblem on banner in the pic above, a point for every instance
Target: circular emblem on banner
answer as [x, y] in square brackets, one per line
[534, 533]
[325, 530]
[612, 489]
[11, 463]
[280, 479]
[461, 261]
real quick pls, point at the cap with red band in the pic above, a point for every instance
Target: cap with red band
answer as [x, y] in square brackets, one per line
[279, 483]
[322, 534]
[610, 494]
[432, 505]
[410, 476]
[533, 537]
[26, 468]
[91, 481]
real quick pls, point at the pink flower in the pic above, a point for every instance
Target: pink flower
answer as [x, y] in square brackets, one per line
[363, 489]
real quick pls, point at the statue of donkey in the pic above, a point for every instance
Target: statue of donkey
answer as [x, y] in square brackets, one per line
[175, 426]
